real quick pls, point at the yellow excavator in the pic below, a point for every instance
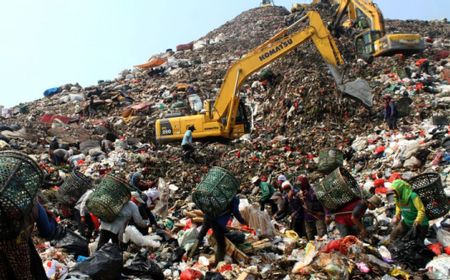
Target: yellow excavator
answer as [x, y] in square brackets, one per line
[225, 117]
[373, 40]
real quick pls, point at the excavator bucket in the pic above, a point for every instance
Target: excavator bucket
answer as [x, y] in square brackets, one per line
[358, 88]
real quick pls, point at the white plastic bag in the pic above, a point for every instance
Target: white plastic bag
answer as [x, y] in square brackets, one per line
[439, 268]
[443, 236]
[132, 234]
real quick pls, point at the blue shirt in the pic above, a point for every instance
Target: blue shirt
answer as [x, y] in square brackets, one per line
[232, 210]
[187, 138]
[46, 225]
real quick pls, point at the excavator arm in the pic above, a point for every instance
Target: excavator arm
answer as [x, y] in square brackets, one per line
[272, 49]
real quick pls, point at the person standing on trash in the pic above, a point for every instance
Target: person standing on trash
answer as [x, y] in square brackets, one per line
[314, 214]
[18, 257]
[296, 210]
[348, 218]
[409, 212]
[266, 191]
[186, 143]
[219, 227]
[82, 217]
[282, 202]
[390, 112]
[113, 230]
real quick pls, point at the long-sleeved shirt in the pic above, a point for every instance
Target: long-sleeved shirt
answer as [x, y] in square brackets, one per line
[81, 203]
[266, 191]
[312, 207]
[45, 224]
[187, 138]
[413, 212]
[233, 210]
[129, 211]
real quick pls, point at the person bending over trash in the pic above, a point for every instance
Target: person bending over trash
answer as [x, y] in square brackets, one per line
[266, 191]
[114, 230]
[409, 212]
[348, 218]
[219, 227]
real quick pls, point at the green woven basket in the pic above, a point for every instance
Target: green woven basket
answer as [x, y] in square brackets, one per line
[336, 189]
[20, 179]
[215, 191]
[329, 160]
[108, 198]
[74, 186]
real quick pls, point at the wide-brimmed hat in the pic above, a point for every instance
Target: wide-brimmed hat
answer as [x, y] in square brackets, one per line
[255, 179]
[375, 200]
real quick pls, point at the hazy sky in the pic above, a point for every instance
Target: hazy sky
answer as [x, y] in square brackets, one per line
[47, 43]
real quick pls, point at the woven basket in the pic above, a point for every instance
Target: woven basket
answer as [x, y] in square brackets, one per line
[329, 160]
[429, 188]
[336, 189]
[108, 198]
[74, 186]
[215, 191]
[20, 179]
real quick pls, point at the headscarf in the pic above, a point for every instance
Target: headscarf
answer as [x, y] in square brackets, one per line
[403, 190]
[282, 178]
[135, 178]
[304, 183]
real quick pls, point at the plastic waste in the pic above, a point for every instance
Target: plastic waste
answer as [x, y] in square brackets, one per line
[105, 264]
[73, 243]
[141, 266]
[191, 274]
[443, 236]
[439, 268]
[55, 270]
[309, 253]
[132, 234]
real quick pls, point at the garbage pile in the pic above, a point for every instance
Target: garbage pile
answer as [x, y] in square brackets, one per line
[298, 116]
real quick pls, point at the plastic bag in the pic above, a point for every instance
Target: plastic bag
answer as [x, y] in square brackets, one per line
[443, 236]
[104, 264]
[258, 220]
[187, 238]
[191, 274]
[213, 276]
[309, 254]
[143, 267]
[439, 268]
[55, 270]
[73, 243]
[132, 234]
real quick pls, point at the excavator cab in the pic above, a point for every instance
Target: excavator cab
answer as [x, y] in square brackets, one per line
[365, 42]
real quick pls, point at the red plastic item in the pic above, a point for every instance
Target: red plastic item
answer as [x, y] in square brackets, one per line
[380, 149]
[394, 177]
[95, 221]
[436, 248]
[225, 267]
[342, 245]
[447, 250]
[191, 274]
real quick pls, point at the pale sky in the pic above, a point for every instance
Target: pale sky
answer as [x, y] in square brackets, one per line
[48, 43]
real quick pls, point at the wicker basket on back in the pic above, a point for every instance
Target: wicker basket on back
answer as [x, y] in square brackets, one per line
[108, 198]
[430, 190]
[74, 186]
[337, 189]
[215, 191]
[20, 179]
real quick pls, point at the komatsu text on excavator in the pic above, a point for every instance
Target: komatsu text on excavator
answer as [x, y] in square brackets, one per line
[373, 40]
[225, 117]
